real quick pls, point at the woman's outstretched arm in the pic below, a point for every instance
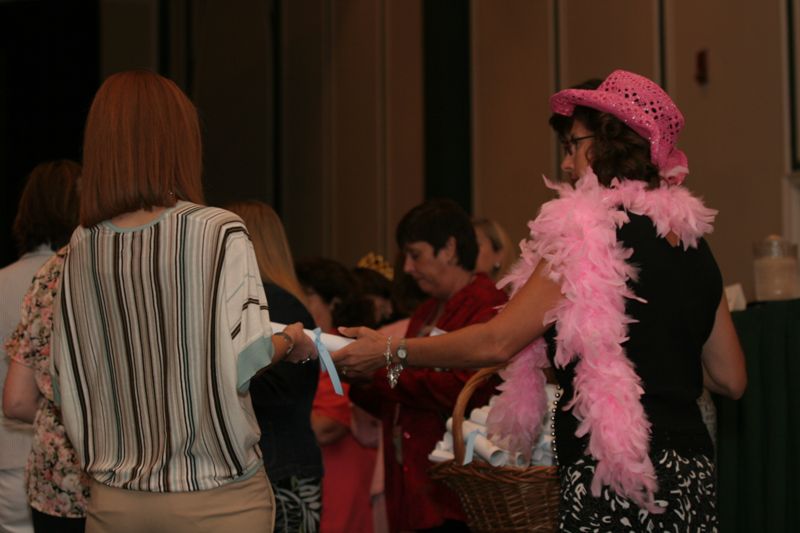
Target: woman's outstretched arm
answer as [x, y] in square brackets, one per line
[492, 342]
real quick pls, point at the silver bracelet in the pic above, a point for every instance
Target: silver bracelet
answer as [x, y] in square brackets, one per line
[387, 353]
[393, 371]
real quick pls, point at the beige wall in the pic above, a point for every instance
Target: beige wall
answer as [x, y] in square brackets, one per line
[512, 77]
[735, 137]
[596, 38]
[352, 106]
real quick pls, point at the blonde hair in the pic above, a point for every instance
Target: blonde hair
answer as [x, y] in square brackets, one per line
[273, 254]
[500, 243]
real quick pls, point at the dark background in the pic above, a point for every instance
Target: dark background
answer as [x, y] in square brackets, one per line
[227, 57]
[49, 63]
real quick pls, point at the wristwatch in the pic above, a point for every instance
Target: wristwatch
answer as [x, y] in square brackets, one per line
[393, 370]
[402, 352]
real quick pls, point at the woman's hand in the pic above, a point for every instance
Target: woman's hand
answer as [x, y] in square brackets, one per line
[360, 359]
[304, 348]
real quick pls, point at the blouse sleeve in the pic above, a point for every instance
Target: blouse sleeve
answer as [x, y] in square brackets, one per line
[243, 310]
[18, 344]
[29, 345]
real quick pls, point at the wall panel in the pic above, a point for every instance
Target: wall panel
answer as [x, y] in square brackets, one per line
[599, 37]
[735, 135]
[352, 123]
[511, 78]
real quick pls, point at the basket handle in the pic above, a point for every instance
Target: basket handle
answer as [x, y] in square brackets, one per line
[464, 396]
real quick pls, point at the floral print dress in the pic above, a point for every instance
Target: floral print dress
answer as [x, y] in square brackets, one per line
[56, 483]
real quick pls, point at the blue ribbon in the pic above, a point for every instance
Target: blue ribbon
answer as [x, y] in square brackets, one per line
[326, 362]
[469, 446]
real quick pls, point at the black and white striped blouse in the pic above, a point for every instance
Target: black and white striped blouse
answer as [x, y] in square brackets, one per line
[158, 330]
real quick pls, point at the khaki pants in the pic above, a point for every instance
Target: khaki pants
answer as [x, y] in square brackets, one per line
[247, 505]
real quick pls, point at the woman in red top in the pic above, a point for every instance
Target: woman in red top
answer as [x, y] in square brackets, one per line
[439, 243]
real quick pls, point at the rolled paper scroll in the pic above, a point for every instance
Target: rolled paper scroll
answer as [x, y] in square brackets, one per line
[479, 415]
[325, 343]
[475, 437]
[440, 456]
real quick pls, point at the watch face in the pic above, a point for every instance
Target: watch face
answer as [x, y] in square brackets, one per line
[402, 353]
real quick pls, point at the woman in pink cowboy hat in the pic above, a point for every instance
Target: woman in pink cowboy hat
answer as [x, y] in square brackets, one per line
[619, 292]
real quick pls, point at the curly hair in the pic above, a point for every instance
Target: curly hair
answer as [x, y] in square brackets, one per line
[616, 151]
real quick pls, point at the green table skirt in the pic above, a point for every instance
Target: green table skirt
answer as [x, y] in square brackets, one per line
[758, 456]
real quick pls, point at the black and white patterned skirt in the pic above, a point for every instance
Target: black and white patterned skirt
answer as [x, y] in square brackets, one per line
[298, 504]
[687, 488]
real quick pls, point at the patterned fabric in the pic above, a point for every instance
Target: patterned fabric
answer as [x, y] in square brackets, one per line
[687, 488]
[56, 483]
[157, 333]
[298, 503]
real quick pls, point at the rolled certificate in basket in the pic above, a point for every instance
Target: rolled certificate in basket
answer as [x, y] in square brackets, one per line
[483, 446]
[440, 455]
[517, 459]
[479, 415]
[325, 343]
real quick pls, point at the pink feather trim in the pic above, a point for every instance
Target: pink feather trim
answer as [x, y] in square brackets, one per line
[576, 235]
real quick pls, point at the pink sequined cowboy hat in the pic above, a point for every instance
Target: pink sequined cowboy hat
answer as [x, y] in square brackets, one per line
[644, 107]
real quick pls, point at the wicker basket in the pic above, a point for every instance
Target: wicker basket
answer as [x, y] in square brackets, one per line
[498, 499]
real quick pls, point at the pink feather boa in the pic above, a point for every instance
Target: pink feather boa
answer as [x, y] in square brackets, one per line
[576, 235]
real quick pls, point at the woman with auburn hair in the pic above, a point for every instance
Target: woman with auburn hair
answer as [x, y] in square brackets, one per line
[160, 325]
[618, 291]
[47, 214]
[282, 395]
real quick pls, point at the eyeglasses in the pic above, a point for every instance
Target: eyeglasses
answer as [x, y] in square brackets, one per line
[570, 144]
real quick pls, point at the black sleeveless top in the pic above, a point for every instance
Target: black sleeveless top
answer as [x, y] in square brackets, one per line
[282, 397]
[683, 289]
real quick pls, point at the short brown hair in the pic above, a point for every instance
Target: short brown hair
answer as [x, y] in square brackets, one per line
[141, 148]
[48, 207]
[434, 222]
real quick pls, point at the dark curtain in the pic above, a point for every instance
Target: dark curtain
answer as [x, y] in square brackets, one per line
[233, 84]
